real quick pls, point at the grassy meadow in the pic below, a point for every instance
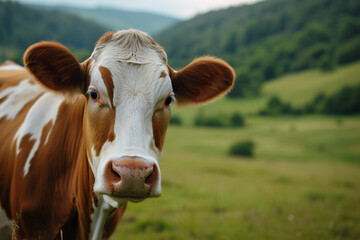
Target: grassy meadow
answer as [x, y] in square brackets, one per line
[302, 183]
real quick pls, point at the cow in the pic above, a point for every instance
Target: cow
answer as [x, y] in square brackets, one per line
[80, 140]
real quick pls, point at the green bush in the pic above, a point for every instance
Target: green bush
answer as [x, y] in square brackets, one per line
[276, 107]
[317, 105]
[219, 121]
[349, 51]
[209, 121]
[237, 120]
[345, 101]
[242, 148]
[175, 120]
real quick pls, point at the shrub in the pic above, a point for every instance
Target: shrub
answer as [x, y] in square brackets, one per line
[237, 120]
[219, 120]
[175, 120]
[276, 107]
[209, 121]
[317, 105]
[345, 101]
[242, 148]
[349, 52]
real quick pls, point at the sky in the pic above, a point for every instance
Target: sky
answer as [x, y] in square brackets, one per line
[177, 8]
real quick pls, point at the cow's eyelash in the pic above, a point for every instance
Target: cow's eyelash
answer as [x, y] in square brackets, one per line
[172, 95]
[173, 98]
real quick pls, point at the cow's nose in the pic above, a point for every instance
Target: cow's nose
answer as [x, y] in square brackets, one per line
[131, 177]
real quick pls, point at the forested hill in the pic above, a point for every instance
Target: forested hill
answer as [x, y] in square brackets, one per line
[21, 26]
[117, 19]
[270, 38]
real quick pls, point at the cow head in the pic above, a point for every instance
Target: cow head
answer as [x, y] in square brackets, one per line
[129, 89]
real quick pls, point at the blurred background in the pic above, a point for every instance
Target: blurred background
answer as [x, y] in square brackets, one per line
[279, 156]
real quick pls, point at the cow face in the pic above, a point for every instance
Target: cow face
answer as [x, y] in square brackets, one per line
[129, 89]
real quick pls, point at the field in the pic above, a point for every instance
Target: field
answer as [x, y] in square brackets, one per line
[302, 183]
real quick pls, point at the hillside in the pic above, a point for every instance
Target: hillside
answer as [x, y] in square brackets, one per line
[116, 19]
[297, 89]
[270, 38]
[21, 26]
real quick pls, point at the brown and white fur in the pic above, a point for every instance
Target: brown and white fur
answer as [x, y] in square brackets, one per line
[80, 140]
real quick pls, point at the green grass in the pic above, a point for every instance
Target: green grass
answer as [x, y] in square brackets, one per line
[303, 183]
[306, 138]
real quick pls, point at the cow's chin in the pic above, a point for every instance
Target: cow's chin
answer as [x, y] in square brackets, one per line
[116, 201]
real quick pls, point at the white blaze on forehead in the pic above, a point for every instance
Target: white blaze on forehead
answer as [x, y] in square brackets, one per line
[139, 91]
[140, 88]
[41, 113]
[136, 65]
[17, 97]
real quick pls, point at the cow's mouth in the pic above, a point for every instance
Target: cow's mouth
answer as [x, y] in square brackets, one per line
[116, 200]
[133, 199]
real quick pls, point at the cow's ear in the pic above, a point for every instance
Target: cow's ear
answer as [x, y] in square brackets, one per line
[203, 80]
[56, 67]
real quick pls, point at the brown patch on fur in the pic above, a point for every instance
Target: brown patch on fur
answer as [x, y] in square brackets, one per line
[108, 81]
[171, 72]
[10, 78]
[55, 67]
[3, 98]
[160, 123]
[202, 80]
[101, 120]
[86, 65]
[106, 37]
[100, 126]
[163, 74]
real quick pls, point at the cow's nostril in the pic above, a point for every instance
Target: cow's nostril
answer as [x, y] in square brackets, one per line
[152, 178]
[112, 173]
[115, 173]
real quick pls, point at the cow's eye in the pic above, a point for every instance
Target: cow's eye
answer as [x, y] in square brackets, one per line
[169, 100]
[94, 94]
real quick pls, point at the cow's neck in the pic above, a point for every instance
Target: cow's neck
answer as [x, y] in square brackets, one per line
[77, 173]
[86, 202]
[90, 213]
[99, 217]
